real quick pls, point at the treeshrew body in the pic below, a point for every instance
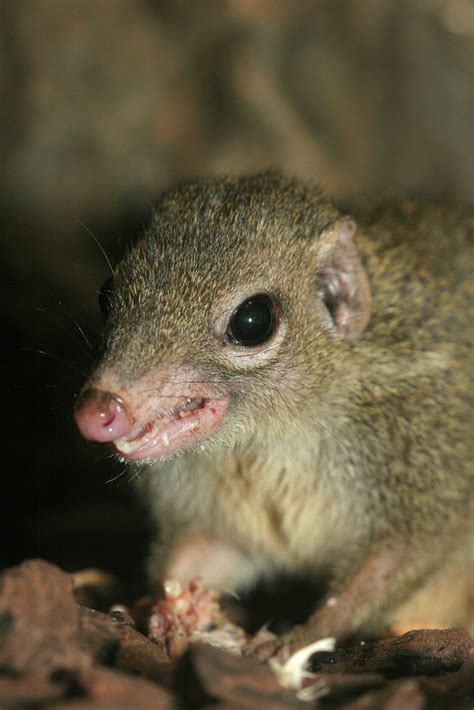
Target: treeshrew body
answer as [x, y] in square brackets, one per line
[299, 390]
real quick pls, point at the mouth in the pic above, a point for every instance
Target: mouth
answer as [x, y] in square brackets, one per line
[188, 423]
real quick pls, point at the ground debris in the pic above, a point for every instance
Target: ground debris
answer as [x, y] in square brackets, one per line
[39, 620]
[423, 652]
[57, 653]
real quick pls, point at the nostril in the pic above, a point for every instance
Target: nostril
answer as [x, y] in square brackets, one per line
[108, 414]
[101, 416]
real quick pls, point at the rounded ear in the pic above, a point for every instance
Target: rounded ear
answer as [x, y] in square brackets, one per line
[341, 280]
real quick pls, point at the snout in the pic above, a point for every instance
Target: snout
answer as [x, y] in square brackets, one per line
[101, 416]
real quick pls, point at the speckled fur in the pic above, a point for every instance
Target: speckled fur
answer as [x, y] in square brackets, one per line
[334, 446]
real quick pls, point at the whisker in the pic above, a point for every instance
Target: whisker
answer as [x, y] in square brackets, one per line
[115, 478]
[54, 357]
[81, 331]
[58, 323]
[135, 473]
[98, 244]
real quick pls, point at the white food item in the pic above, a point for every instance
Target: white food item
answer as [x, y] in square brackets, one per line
[292, 673]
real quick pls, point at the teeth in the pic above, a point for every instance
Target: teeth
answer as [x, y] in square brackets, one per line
[128, 445]
[188, 407]
[184, 413]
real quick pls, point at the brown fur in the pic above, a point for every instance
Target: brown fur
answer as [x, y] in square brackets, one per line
[347, 456]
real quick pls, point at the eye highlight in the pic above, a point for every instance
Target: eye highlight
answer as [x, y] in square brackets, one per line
[105, 296]
[253, 322]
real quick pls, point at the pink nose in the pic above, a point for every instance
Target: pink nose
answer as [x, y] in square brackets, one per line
[100, 416]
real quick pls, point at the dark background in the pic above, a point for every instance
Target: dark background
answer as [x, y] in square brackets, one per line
[104, 104]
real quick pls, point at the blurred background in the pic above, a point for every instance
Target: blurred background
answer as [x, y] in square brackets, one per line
[103, 105]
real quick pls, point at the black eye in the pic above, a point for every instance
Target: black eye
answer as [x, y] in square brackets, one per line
[253, 322]
[105, 296]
